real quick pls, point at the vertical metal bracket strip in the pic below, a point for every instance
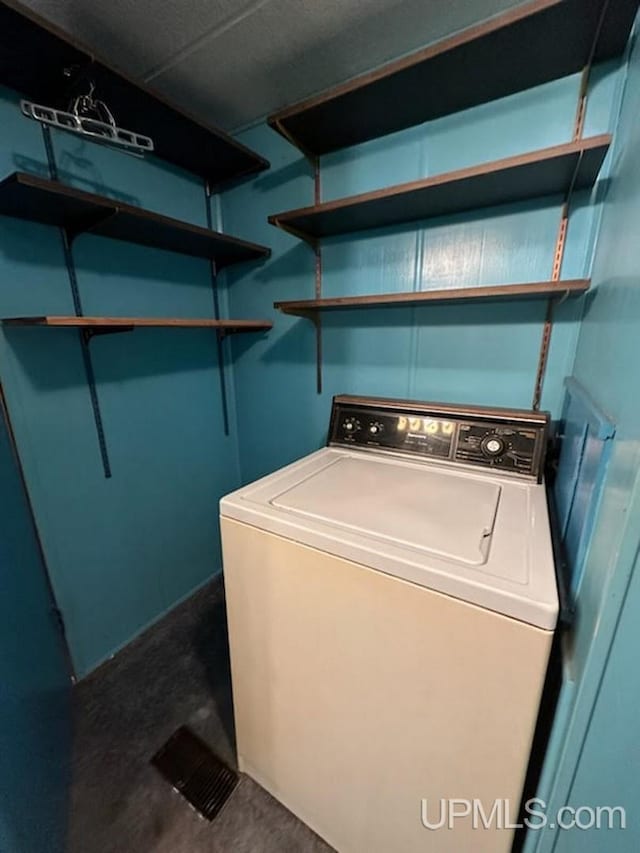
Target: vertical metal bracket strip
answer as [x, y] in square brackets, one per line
[317, 194]
[315, 317]
[216, 313]
[548, 320]
[558, 254]
[85, 336]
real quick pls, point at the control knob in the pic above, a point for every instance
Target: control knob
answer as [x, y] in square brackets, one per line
[351, 425]
[492, 446]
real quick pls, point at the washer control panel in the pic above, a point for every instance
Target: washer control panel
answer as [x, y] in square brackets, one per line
[508, 447]
[512, 441]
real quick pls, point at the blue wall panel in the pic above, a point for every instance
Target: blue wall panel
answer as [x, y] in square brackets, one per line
[607, 773]
[587, 434]
[466, 353]
[120, 551]
[35, 685]
[594, 760]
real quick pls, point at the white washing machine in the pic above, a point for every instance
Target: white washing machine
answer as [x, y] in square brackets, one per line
[391, 602]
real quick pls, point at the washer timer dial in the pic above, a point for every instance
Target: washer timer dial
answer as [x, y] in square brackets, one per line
[492, 446]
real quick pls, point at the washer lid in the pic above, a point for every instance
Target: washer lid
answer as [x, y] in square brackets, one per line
[439, 513]
[479, 537]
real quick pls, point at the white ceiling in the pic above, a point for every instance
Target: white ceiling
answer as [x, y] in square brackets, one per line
[231, 62]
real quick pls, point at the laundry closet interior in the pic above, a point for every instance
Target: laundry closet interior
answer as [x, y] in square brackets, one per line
[319, 426]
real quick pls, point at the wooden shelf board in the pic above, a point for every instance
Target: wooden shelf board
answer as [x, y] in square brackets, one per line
[33, 56]
[546, 172]
[523, 47]
[49, 202]
[60, 321]
[533, 290]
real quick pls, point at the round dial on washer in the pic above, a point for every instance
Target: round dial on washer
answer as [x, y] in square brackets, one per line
[351, 425]
[376, 428]
[492, 446]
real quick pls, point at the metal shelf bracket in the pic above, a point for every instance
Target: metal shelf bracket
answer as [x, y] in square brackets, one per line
[95, 331]
[67, 240]
[90, 223]
[221, 334]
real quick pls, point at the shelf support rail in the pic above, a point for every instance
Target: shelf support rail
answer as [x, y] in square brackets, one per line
[213, 272]
[561, 238]
[558, 252]
[314, 317]
[317, 319]
[67, 239]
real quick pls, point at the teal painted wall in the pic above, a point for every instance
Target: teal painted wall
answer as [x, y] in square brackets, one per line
[607, 771]
[120, 552]
[467, 353]
[35, 685]
[595, 754]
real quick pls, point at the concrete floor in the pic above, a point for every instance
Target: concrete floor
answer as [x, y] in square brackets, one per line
[176, 673]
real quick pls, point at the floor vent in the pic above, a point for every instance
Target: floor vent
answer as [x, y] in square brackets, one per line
[188, 764]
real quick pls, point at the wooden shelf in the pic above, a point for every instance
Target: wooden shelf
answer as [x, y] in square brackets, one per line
[534, 290]
[524, 47]
[549, 171]
[33, 57]
[128, 323]
[52, 203]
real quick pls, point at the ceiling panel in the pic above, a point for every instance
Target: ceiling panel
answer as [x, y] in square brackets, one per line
[232, 62]
[138, 35]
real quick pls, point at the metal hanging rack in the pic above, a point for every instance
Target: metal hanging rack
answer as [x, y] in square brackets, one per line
[90, 118]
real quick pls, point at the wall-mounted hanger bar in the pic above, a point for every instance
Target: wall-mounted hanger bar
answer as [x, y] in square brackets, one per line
[61, 65]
